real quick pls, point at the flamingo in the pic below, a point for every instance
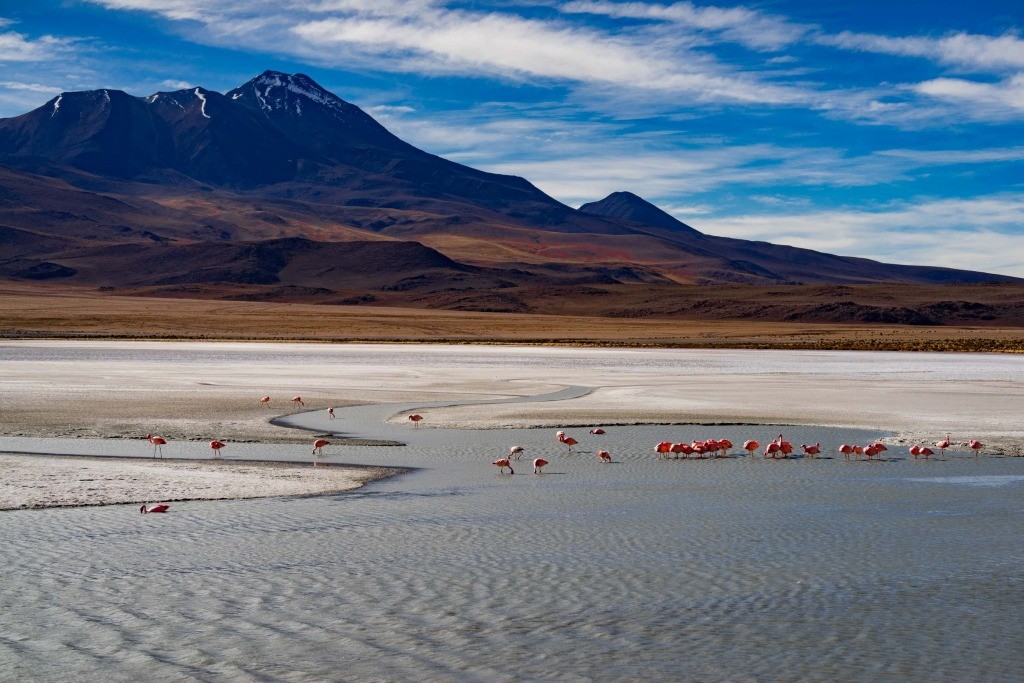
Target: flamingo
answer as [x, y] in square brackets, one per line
[725, 445]
[265, 401]
[699, 448]
[597, 431]
[515, 452]
[976, 446]
[605, 456]
[298, 401]
[502, 463]
[751, 446]
[772, 449]
[687, 450]
[158, 443]
[858, 450]
[415, 419]
[678, 448]
[567, 440]
[662, 448]
[538, 465]
[216, 446]
[330, 411]
[915, 451]
[159, 507]
[846, 450]
[318, 446]
[925, 452]
[786, 448]
[943, 445]
[870, 451]
[811, 450]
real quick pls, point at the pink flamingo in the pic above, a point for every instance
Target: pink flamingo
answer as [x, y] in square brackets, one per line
[515, 452]
[567, 440]
[858, 450]
[318, 446]
[502, 463]
[265, 401]
[216, 446]
[870, 451]
[943, 445]
[915, 451]
[772, 450]
[976, 446]
[538, 465]
[597, 431]
[298, 401]
[159, 507]
[725, 445]
[678, 448]
[699, 449]
[811, 451]
[751, 446]
[330, 411]
[846, 450]
[605, 456]
[158, 443]
[925, 452]
[662, 448]
[415, 419]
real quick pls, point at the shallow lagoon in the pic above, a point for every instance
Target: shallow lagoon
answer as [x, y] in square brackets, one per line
[708, 570]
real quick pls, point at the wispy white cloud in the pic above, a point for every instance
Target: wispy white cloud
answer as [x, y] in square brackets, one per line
[17, 47]
[980, 100]
[963, 50]
[979, 233]
[176, 84]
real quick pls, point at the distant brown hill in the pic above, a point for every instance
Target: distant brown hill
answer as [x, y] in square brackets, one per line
[281, 189]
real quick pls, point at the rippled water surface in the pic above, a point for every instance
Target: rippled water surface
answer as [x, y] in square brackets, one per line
[728, 570]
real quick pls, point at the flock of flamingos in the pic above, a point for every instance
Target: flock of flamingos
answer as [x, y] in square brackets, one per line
[712, 448]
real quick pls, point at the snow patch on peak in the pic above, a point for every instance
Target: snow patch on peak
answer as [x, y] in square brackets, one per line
[107, 96]
[56, 105]
[202, 108]
[300, 85]
[236, 95]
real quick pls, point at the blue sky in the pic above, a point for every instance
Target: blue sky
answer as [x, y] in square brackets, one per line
[859, 128]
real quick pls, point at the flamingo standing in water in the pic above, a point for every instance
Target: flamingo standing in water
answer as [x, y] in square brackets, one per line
[265, 401]
[318, 446]
[216, 446]
[915, 451]
[751, 446]
[870, 451]
[772, 450]
[159, 507]
[415, 419]
[678, 448]
[330, 411]
[925, 452]
[538, 465]
[943, 445]
[976, 446]
[605, 456]
[725, 445]
[597, 431]
[298, 401]
[515, 452]
[662, 448]
[502, 463]
[811, 451]
[567, 440]
[846, 450]
[158, 443]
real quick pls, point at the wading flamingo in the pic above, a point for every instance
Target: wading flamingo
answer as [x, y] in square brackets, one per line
[159, 507]
[811, 451]
[298, 401]
[870, 451]
[567, 440]
[751, 446]
[216, 446]
[158, 444]
[976, 446]
[318, 446]
[678, 448]
[515, 452]
[943, 445]
[725, 445]
[925, 452]
[915, 451]
[597, 431]
[330, 411]
[605, 456]
[858, 451]
[846, 450]
[502, 463]
[772, 450]
[662, 448]
[415, 419]
[265, 401]
[538, 465]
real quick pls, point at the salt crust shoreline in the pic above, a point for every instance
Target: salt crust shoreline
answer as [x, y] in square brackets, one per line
[49, 481]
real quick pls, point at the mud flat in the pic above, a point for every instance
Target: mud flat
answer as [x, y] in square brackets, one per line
[32, 482]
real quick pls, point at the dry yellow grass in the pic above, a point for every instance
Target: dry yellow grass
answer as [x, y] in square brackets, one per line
[40, 311]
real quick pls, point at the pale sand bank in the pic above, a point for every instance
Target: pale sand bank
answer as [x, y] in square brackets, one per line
[31, 482]
[113, 389]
